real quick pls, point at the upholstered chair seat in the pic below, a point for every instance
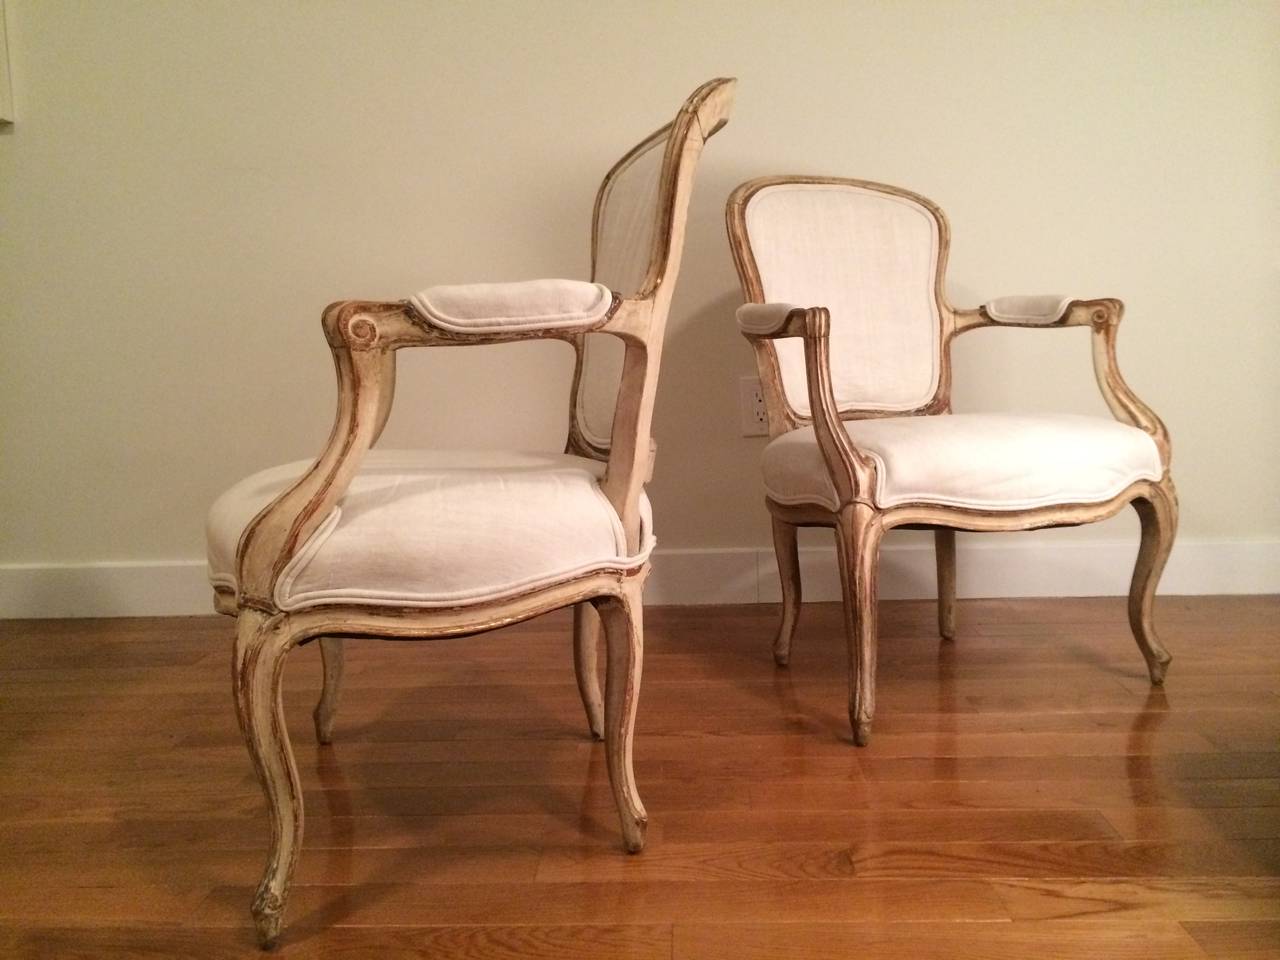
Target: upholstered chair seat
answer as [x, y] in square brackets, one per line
[511, 307]
[978, 461]
[433, 528]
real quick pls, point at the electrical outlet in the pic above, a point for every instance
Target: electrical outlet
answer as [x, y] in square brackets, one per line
[755, 422]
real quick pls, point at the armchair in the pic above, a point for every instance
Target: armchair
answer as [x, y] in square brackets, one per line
[862, 435]
[425, 544]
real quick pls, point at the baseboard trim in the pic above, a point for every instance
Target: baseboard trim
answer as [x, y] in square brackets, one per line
[111, 589]
[986, 567]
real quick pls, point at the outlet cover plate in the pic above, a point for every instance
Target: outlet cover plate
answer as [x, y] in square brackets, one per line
[751, 411]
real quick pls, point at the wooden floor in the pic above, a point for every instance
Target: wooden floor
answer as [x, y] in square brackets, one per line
[1026, 794]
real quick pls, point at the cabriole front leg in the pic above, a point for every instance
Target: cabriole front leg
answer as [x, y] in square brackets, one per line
[1159, 517]
[623, 620]
[257, 668]
[858, 534]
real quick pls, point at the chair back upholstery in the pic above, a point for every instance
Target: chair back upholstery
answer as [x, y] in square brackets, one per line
[875, 256]
[637, 239]
[626, 217]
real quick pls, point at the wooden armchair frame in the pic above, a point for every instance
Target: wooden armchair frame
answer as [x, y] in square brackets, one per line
[364, 337]
[860, 525]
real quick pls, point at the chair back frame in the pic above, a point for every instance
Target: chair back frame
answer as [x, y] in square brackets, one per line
[702, 115]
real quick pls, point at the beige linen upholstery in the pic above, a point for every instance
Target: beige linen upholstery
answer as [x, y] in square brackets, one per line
[1040, 310]
[978, 461]
[622, 245]
[626, 218]
[426, 528]
[871, 259]
[508, 307]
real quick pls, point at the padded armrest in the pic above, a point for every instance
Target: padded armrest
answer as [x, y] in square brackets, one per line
[765, 319]
[513, 307]
[1032, 311]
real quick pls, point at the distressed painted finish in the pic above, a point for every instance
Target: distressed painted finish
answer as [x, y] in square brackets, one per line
[364, 337]
[860, 526]
[623, 617]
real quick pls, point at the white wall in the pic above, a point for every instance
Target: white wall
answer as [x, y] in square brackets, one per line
[189, 183]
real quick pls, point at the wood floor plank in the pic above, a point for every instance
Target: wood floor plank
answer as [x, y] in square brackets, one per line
[491, 941]
[1237, 939]
[986, 859]
[1168, 823]
[1164, 767]
[1070, 859]
[1036, 794]
[346, 800]
[933, 941]
[728, 901]
[1124, 900]
[680, 862]
[468, 830]
[103, 867]
[851, 825]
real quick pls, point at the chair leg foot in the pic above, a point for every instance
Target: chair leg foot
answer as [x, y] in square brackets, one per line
[788, 554]
[1157, 670]
[858, 535]
[623, 620]
[257, 668]
[326, 711]
[861, 732]
[1159, 517]
[268, 919]
[586, 644]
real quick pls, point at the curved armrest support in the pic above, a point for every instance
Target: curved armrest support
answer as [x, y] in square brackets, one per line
[852, 473]
[363, 338]
[1103, 317]
[1124, 403]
